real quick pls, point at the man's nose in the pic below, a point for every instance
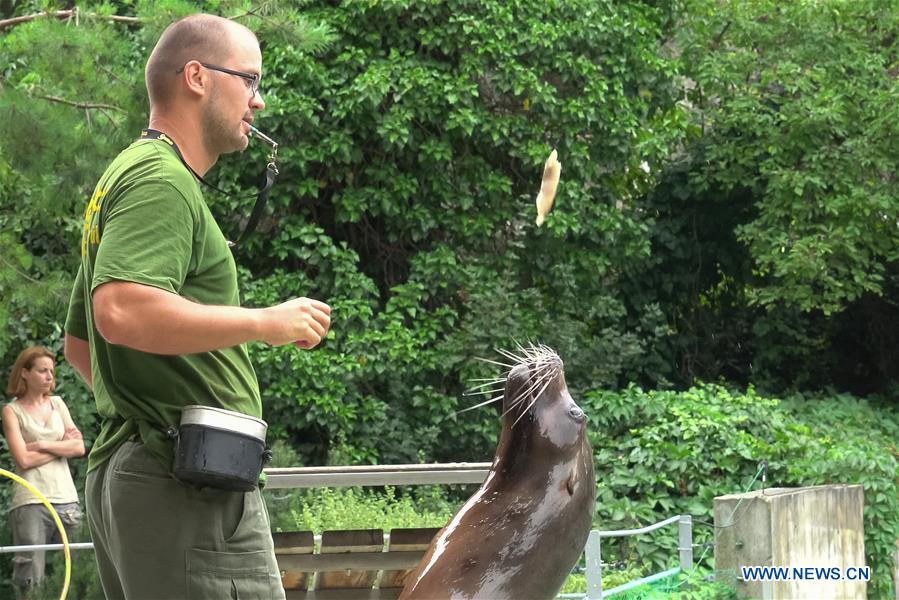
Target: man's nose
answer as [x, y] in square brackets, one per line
[256, 102]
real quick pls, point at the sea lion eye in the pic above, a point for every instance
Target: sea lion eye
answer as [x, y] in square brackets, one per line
[577, 414]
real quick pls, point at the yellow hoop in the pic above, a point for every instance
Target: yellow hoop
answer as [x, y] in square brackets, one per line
[55, 515]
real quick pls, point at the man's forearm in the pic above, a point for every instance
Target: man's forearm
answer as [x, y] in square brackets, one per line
[78, 353]
[159, 322]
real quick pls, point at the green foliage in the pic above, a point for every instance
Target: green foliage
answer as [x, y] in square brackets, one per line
[409, 166]
[85, 579]
[65, 98]
[725, 211]
[665, 453]
[321, 509]
[352, 508]
[774, 228]
[413, 150]
[779, 118]
[685, 586]
[692, 586]
[577, 582]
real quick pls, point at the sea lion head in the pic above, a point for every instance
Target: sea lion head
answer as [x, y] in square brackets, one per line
[539, 415]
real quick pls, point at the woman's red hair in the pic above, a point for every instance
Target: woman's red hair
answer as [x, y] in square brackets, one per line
[17, 386]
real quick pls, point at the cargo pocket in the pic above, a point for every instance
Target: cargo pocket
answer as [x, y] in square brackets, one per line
[69, 514]
[23, 570]
[229, 575]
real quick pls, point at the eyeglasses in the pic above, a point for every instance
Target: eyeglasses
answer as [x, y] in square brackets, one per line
[252, 79]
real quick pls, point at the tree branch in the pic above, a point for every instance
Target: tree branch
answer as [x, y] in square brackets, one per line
[64, 14]
[82, 104]
[13, 268]
[720, 36]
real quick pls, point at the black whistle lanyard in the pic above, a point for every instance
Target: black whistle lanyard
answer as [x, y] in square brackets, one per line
[271, 174]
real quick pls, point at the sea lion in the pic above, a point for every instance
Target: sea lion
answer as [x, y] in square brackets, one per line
[525, 528]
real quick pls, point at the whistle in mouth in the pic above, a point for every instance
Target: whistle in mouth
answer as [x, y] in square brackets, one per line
[255, 132]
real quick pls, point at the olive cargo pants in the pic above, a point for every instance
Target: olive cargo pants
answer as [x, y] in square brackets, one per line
[156, 538]
[32, 524]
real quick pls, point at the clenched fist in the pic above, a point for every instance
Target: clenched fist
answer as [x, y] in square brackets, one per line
[301, 321]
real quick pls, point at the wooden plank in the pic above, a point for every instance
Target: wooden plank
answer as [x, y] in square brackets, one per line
[375, 479]
[405, 540]
[375, 561]
[294, 543]
[350, 594]
[382, 468]
[306, 477]
[344, 544]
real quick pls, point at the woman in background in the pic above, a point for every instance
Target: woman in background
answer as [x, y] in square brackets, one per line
[41, 436]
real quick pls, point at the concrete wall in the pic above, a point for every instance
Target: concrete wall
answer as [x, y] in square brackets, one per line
[817, 526]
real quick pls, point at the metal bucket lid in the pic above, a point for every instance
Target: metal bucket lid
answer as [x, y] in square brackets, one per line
[227, 420]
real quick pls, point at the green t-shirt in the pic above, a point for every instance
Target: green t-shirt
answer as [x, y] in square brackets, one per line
[147, 223]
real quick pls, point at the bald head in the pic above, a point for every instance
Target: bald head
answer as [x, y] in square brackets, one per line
[205, 38]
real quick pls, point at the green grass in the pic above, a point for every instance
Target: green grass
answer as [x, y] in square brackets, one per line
[691, 586]
[325, 509]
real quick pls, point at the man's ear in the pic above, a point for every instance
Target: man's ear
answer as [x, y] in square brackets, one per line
[195, 78]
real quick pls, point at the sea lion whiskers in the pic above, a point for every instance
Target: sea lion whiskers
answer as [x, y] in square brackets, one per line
[540, 358]
[547, 366]
[546, 353]
[479, 405]
[510, 355]
[536, 356]
[542, 361]
[525, 356]
[482, 392]
[540, 380]
[489, 383]
[475, 391]
[481, 358]
[534, 384]
[529, 353]
[548, 377]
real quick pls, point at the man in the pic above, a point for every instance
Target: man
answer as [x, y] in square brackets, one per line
[154, 324]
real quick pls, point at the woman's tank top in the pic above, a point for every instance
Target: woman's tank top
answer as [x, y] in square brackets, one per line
[52, 479]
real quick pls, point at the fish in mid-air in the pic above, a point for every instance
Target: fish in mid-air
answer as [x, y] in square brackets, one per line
[552, 170]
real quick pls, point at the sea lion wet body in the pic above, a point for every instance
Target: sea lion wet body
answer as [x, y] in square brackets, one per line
[521, 533]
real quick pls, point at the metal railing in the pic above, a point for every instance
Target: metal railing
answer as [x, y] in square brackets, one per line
[593, 552]
[311, 477]
[308, 477]
[451, 473]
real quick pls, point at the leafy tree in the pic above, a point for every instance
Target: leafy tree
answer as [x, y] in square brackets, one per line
[663, 453]
[818, 153]
[724, 209]
[412, 151]
[787, 192]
